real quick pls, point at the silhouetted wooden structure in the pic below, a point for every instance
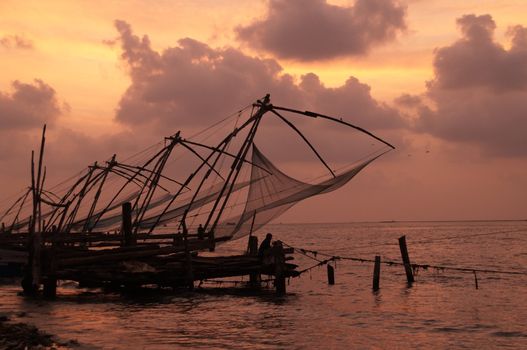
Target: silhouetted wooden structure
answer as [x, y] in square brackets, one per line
[79, 234]
[108, 261]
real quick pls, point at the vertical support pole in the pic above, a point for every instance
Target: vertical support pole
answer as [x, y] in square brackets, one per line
[188, 262]
[36, 224]
[253, 251]
[279, 267]
[376, 273]
[406, 260]
[50, 280]
[37, 259]
[331, 275]
[30, 282]
[212, 242]
[128, 239]
[253, 246]
[177, 240]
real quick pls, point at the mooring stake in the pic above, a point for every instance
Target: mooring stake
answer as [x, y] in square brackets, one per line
[406, 260]
[476, 279]
[376, 273]
[331, 275]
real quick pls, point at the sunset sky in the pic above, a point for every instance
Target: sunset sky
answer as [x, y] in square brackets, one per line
[445, 81]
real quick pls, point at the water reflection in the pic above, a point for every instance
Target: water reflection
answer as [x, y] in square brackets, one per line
[441, 309]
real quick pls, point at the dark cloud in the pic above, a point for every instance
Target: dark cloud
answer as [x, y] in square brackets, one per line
[408, 101]
[353, 100]
[476, 60]
[315, 30]
[480, 89]
[28, 106]
[194, 84]
[15, 42]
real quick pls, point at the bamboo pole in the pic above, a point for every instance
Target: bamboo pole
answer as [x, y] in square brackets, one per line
[406, 260]
[50, 278]
[254, 278]
[128, 238]
[237, 163]
[277, 251]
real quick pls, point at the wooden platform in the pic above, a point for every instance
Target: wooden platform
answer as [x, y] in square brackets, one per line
[164, 260]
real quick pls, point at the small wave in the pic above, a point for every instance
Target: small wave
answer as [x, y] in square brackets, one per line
[449, 330]
[512, 334]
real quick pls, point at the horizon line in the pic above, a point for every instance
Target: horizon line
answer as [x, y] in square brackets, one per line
[396, 221]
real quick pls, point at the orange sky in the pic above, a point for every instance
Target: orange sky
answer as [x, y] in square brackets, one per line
[455, 180]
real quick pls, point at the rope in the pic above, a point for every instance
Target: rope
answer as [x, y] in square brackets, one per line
[321, 263]
[391, 263]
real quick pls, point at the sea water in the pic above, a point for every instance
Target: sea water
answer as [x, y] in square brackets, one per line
[442, 309]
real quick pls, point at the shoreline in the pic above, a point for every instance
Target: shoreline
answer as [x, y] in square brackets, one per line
[21, 335]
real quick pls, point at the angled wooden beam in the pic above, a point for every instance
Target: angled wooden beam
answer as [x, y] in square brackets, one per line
[318, 115]
[292, 126]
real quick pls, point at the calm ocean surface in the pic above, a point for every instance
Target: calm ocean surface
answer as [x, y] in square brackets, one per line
[443, 309]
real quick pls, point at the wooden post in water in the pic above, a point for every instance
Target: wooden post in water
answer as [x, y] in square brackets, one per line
[253, 251]
[278, 254]
[128, 239]
[50, 280]
[189, 272]
[376, 273]
[331, 275]
[406, 260]
[188, 267]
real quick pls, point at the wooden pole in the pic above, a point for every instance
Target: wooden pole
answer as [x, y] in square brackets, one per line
[38, 188]
[476, 280]
[212, 242]
[31, 282]
[278, 254]
[127, 224]
[406, 260]
[50, 280]
[253, 251]
[331, 275]
[376, 273]
[237, 164]
[188, 263]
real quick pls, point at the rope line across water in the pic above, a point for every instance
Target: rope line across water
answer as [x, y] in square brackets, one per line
[333, 257]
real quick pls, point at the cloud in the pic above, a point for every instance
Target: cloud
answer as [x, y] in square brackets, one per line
[15, 42]
[28, 106]
[353, 100]
[194, 84]
[408, 101]
[315, 30]
[479, 90]
[476, 60]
